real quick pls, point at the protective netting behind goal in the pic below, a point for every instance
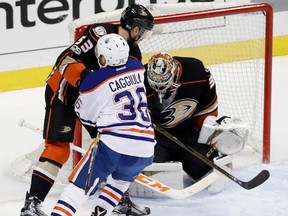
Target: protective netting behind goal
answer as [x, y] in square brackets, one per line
[234, 48]
[234, 42]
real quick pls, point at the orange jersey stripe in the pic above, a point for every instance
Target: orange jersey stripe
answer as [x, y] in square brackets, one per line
[200, 119]
[140, 131]
[111, 194]
[134, 130]
[62, 210]
[80, 163]
[211, 103]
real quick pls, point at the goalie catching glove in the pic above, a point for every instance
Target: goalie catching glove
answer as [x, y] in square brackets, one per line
[227, 135]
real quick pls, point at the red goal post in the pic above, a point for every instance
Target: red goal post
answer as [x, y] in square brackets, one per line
[233, 41]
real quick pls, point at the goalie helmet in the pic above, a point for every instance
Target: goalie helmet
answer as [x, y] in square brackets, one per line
[114, 48]
[163, 74]
[137, 15]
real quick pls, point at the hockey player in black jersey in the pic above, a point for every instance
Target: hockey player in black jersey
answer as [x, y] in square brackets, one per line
[62, 89]
[182, 99]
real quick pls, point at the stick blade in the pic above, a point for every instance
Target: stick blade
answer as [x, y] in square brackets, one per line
[21, 122]
[257, 180]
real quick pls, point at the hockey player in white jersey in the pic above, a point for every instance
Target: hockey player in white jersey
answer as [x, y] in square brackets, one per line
[113, 99]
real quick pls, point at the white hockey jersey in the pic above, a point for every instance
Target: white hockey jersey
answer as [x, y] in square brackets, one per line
[114, 100]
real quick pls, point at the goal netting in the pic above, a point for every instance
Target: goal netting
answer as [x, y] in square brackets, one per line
[234, 41]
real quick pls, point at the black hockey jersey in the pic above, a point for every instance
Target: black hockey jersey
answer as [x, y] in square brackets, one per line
[83, 48]
[76, 59]
[194, 100]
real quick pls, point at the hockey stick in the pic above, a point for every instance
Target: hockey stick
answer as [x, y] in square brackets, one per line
[255, 182]
[174, 193]
[156, 185]
[23, 123]
[91, 164]
[150, 182]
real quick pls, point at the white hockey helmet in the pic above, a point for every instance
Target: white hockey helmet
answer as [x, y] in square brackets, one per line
[114, 48]
[162, 73]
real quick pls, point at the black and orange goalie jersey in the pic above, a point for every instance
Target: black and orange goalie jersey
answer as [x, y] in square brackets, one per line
[194, 99]
[79, 59]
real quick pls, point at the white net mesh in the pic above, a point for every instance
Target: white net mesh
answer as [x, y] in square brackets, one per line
[22, 167]
[231, 46]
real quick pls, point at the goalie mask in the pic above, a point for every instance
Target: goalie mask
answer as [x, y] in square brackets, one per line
[163, 74]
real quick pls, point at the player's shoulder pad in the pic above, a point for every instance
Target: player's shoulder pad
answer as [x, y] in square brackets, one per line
[100, 29]
[134, 63]
[189, 61]
[99, 76]
[135, 52]
[192, 68]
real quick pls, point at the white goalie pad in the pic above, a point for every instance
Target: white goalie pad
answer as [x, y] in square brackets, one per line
[227, 135]
[170, 173]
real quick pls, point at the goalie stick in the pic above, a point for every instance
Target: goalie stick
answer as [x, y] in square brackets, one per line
[255, 182]
[149, 182]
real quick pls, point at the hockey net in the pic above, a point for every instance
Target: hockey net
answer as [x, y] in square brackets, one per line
[234, 42]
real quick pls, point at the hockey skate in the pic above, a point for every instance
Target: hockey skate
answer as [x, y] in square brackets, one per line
[32, 207]
[127, 207]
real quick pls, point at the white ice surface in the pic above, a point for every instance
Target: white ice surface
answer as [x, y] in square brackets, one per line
[269, 199]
